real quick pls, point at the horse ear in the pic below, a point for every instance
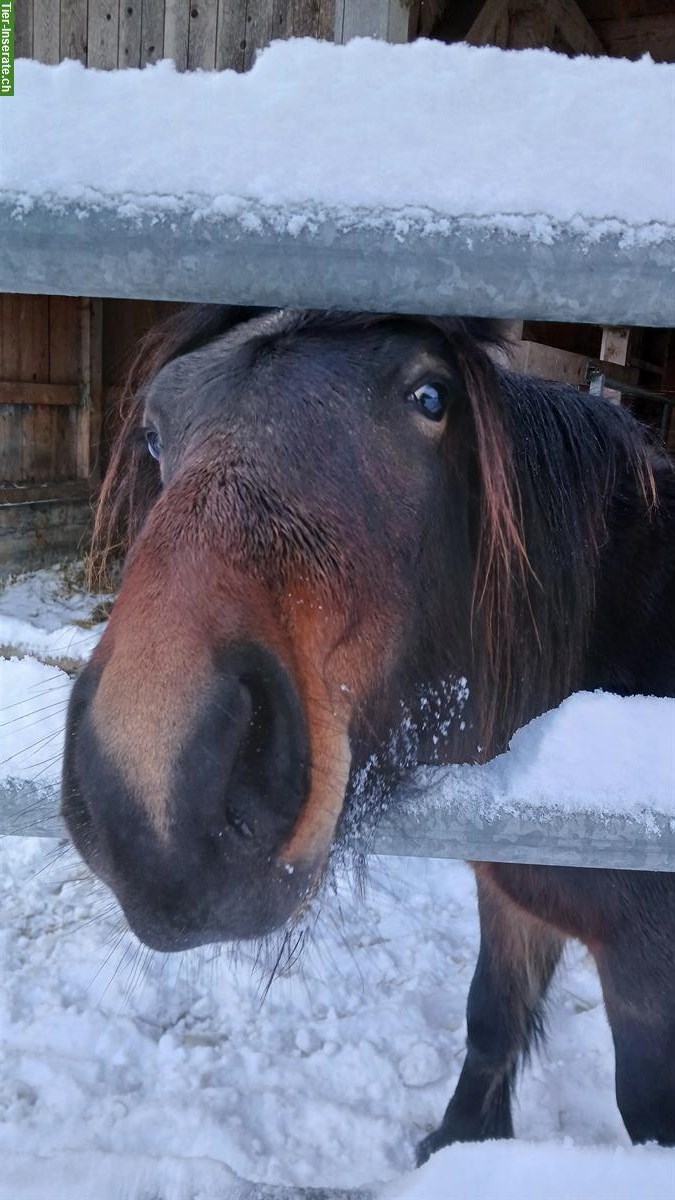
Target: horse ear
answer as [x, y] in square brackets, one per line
[132, 482]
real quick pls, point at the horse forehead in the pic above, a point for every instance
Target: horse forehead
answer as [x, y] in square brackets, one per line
[274, 341]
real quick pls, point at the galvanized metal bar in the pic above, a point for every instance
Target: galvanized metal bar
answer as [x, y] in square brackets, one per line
[361, 261]
[422, 826]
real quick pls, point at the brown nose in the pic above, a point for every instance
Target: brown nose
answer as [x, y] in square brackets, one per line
[238, 781]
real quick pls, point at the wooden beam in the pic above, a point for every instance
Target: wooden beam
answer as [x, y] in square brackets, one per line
[89, 412]
[491, 24]
[564, 366]
[573, 28]
[73, 30]
[615, 344]
[103, 24]
[202, 30]
[176, 33]
[152, 31]
[39, 394]
[522, 24]
[46, 30]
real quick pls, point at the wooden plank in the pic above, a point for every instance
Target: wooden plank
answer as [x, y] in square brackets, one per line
[564, 366]
[547, 362]
[89, 412]
[573, 29]
[96, 390]
[34, 367]
[615, 344]
[73, 32]
[32, 364]
[531, 26]
[326, 20]
[37, 431]
[46, 30]
[39, 394]
[152, 31]
[304, 19]
[64, 368]
[129, 47]
[16, 314]
[483, 30]
[23, 29]
[9, 459]
[231, 36]
[103, 34]
[385, 19]
[398, 21]
[259, 28]
[283, 19]
[176, 32]
[83, 439]
[202, 35]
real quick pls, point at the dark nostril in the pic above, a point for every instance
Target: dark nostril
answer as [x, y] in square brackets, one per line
[238, 823]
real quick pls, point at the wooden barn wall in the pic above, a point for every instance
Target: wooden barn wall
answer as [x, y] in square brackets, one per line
[49, 388]
[194, 33]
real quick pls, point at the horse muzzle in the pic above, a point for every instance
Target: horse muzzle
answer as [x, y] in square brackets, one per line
[188, 820]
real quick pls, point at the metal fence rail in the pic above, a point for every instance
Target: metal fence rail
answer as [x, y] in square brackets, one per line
[361, 261]
[435, 825]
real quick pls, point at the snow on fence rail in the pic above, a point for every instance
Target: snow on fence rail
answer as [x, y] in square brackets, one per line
[419, 177]
[590, 784]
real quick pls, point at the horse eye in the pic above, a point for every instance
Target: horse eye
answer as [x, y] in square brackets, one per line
[154, 444]
[432, 399]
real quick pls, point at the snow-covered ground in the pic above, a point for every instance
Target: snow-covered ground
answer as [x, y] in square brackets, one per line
[329, 1080]
[522, 140]
[51, 615]
[130, 1074]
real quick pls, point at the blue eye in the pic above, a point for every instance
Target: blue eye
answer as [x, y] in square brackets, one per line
[153, 442]
[432, 399]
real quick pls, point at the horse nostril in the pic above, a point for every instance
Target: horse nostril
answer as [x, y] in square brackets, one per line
[238, 823]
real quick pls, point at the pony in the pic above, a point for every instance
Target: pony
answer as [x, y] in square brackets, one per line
[327, 519]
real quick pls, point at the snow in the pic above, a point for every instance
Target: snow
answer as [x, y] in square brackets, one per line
[367, 132]
[496, 1171]
[178, 1068]
[502, 1171]
[595, 753]
[34, 701]
[50, 614]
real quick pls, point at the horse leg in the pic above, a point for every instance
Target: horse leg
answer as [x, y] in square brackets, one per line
[638, 983]
[517, 959]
